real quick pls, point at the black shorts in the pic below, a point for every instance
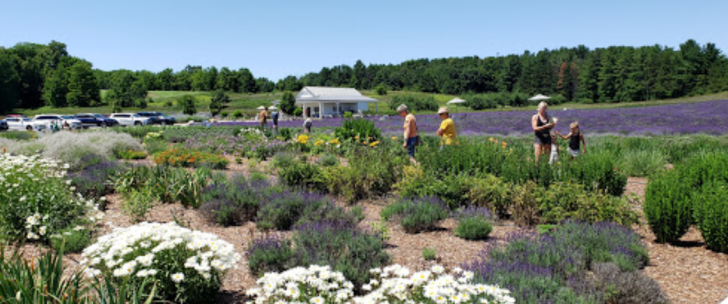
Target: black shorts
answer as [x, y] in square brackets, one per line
[541, 139]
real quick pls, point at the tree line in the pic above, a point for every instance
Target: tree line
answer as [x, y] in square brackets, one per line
[34, 75]
[613, 74]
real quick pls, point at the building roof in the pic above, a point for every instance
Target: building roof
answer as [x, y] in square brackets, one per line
[329, 94]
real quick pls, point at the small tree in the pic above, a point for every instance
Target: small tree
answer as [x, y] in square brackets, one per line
[381, 89]
[288, 103]
[237, 114]
[219, 98]
[115, 106]
[187, 102]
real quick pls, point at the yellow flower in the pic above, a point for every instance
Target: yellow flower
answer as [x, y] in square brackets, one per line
[374, 144]
[490, 139]
[356, 137]
[302, 139]
[394, 137]
[335, 141]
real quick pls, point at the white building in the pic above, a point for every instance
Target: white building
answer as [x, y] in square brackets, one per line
[326, 101]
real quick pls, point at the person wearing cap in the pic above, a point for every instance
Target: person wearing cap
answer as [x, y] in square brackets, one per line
[447, 130]
[410, 130]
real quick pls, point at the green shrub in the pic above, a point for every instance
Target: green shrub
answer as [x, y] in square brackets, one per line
[328, 160]
[642, 163]
[18, 135]
[711, 214]
[138, 203]
[348, 250]
[570, 200]
[358, 130]
[473, 224]
[190, 158]
[667, 206]
[187, 103]
[36, 200]
[414, 102]
[429, 254]
[235, 201]
[299, 174]
[71, 240]
[348, 115]
[131, 154]
[269, 254]
[381, 90]
[287, 209]
[237, 114]
[169, 184]
[489, 192]
[155, 145]
[371, 172]
[525, 204]
[416, 215]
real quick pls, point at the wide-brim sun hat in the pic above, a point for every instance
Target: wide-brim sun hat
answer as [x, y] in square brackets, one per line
[443, 110]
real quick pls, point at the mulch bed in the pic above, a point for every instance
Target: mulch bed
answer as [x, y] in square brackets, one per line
[687, 272]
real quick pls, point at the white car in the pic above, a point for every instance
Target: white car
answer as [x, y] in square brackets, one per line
[24, 123]
[130, 119]
[65, 121]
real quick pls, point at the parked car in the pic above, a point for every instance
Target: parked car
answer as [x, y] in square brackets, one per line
[130, 119]
[4, 125]
[64, 120]
[158, 118]
[93, 119]
[18, 122]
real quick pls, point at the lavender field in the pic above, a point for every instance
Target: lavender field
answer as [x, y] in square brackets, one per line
[689, 118]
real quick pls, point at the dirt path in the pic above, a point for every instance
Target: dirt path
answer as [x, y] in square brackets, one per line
[687, 272]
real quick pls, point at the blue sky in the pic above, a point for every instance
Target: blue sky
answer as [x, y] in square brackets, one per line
[279, 38]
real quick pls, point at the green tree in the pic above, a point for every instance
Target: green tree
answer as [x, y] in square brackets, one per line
[9, 82]
[56, 87]
[188, 104]
[381, 89]
[83, 89]
[126, 89]
[247, 81]
[288, 103]
[218, 101]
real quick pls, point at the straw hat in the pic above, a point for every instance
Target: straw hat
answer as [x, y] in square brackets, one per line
[443, 110]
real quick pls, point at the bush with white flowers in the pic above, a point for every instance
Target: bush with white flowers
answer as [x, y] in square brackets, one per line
[398, 285]
[187, 265]
[315, 285]
[37, 200]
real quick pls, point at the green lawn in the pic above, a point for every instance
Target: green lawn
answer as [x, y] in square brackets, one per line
[248, 102]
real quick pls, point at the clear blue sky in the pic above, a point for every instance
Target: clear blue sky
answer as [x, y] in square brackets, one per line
[279, 38]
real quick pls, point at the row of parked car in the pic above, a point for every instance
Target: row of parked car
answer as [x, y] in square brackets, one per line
[84, 120]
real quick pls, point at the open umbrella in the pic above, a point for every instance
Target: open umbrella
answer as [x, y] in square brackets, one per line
[456, 101]
[261, 108]
[273, 108]
[539, 97]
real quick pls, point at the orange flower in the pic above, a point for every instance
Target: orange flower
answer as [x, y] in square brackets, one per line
[490, 139]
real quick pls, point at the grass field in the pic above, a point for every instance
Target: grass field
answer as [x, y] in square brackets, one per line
[165, 101]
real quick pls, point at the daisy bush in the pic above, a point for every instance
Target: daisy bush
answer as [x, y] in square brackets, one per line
[187, 265]
[394, 284]
[315, 285]
[37, 200]
[398, 284]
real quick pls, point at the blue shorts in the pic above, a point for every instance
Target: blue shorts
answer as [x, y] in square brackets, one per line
[411, 143]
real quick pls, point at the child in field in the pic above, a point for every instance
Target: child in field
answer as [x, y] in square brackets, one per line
[554, 158]
[575, 138]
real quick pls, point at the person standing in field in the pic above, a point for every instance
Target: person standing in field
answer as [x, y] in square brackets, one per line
[554, 157]
[447, 130]
[542, 125]
[307, 125]
[575, 138]
[263, 116]
[411, 136]
[274, 116]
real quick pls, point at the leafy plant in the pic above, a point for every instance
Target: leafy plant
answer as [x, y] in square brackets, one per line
[190, 158]
[138, 203]
[355, 129]
[271, 253]
[473, 224]
[131, 154]
[71, 240]
[711, 214]
[429, 254]
[667, 207]
[416, 215]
